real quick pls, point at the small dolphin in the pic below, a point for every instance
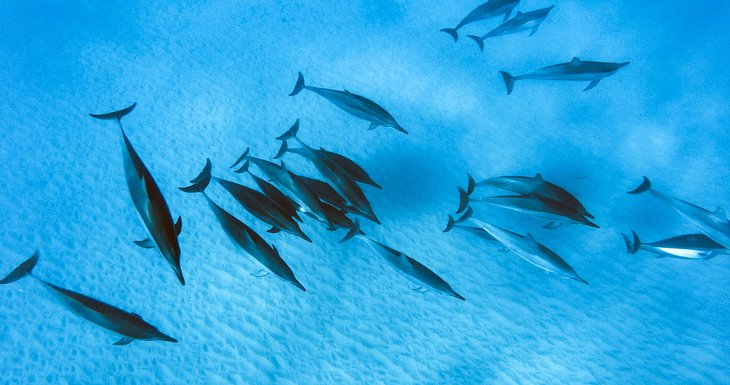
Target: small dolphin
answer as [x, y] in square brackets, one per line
[148, 200]
[574, 70]
[713, 224]
[242, 236]
[415, 271]
[130, 325]
[353, 104]
[521, 22]
[690, 246]
[528, 249]
[525, 185]
[471, 229]
[487, 10]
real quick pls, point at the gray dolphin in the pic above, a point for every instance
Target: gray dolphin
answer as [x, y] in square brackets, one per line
[413, 270]
[713, 224]
[574, 70]
[340, 179]
[525, 185]
[528, 249]
[148, 200]
[689, 246]
[130, 325]
[521, 22]
[353, 104]
[242, 236]
[487, 10]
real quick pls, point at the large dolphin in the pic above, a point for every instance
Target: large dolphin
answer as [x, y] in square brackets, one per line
[340, 179]
[689, 246]
[528, 249]
[242, 236]
[574, 70]
[353, 104]
[130, 325]
[148, 200]
[487, 10]
[525, 185]
[413, 270]
[521, 22]
[713, 224]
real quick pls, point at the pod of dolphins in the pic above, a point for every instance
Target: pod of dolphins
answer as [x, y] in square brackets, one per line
[337, 197]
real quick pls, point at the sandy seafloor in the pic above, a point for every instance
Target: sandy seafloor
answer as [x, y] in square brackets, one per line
[212, 77]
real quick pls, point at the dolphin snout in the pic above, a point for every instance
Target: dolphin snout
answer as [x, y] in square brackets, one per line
[622, 65]
[168, 338]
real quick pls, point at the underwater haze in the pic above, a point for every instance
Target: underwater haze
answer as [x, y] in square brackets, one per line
[211, 78]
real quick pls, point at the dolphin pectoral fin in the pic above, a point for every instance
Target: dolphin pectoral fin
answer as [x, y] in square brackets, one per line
[551, 225]
[124, 341]
[372, 126]
[145, 243]
[178, 226]
[593, 84]
[534, 29]
[507, 15]
[260, 273]
[273, 230]
[420, 289]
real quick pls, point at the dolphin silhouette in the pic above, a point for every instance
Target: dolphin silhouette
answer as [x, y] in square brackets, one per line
[148, 200]
[130, 325]
[521, 22]
[487, 10]
[689, 246]
[574, 70]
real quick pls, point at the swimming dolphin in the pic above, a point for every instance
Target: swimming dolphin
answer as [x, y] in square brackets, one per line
[413, 270]
[148, 200]
[528, 249]
[521, 22]
[300, 192]
[574, 70]
[242, 236]
[690, 246]
[525, 185]
[487, 10]
[130, 325]
[286, 204]
[713, 224]
[353, 104]
[330, 170]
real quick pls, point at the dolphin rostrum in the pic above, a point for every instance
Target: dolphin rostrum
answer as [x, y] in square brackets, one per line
[487, 10]
[130, 325]
[242, 236]
[713, 224]
[148, 200]
[353, 104]
[521, 22]
[690, 246]
[574, 70]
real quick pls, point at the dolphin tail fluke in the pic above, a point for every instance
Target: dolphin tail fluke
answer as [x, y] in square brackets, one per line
[22, 270]
[200, 182]
[299, 86]
[282, 150]
[450, 225]
[643, 187]
[509, 81]
[115, 115]
[243, 168]
[470, 184]
[463, 200]
[354, 230]
[291, 133]
[241, 158]
[632, 247]
[479, 40]
[452, 32]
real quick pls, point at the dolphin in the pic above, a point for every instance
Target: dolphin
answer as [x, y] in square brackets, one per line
[487, 10]
[521, 22]
[353, 104]
[528, 249]
[690, 246]
[148, 200]
[242, 236]
[413, 270]
[713, 224]
[575, 70]
[130, 325]
[263, 208]
[327, 194]
[286, 204]
[338, 176]
[300, 192]
[525, 185]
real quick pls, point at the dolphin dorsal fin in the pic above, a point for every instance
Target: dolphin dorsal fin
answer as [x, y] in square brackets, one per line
[538, 177]
[720, 213]
[575, 61]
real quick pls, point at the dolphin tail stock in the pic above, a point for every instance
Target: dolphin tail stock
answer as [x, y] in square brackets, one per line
[478, 40]
[631, 247]
[115, 115]
[200, 182]
[643, 187]
[354, 230]
[509, 81]
[463, 200]
[22, 270]
[299, 86]
[452, 32]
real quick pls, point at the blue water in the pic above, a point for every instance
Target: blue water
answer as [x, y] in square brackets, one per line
[212, 78]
